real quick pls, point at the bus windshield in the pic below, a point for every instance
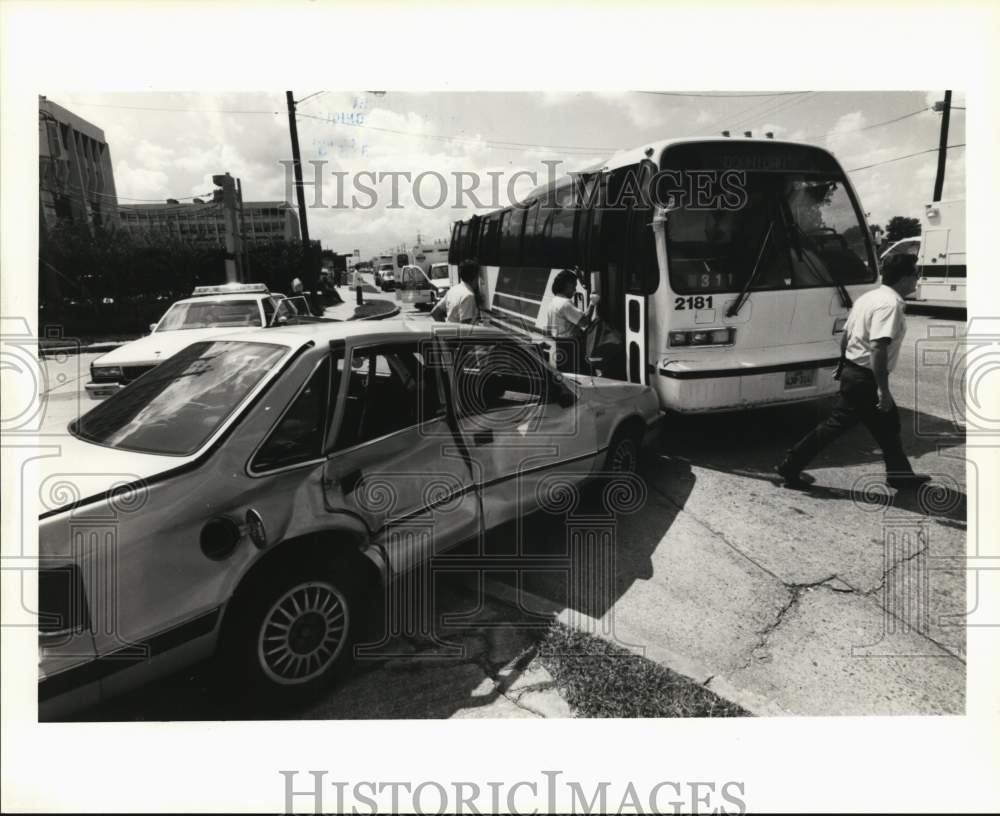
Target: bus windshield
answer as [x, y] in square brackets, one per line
[800, 230]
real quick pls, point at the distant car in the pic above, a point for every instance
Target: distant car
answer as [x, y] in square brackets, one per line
[439, 275]
[211, 311]
[265, 487]
[386, 275]
[906, 246]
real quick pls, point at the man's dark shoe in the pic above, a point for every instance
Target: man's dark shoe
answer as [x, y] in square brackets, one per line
[907, 481]
[794, 478]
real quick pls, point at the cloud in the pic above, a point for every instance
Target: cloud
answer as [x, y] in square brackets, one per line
[139, 182]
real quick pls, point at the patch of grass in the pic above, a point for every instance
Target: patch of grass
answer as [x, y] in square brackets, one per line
[372, 308]
[598, 679]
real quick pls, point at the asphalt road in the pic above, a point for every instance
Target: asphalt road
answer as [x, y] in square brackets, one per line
[846, 599]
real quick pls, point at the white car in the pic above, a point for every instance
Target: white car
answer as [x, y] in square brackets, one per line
[441, 278]
[211, 311]
[259, 493]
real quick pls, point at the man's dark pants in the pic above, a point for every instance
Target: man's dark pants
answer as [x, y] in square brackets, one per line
[857, 402]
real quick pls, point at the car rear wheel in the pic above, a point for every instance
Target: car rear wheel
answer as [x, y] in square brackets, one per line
[623, 452]
[294, 631]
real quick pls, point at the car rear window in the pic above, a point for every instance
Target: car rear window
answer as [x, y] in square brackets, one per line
[206, 314]
[177, 406]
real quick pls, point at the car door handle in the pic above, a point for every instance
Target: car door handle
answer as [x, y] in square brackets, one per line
[483, 437]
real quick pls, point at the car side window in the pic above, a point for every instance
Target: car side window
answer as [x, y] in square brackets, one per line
[389, 388]
[268, 306]
[492, 375]
[298, 436]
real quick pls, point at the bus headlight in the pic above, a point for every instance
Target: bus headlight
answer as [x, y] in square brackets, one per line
[839, 324]
[708, 337]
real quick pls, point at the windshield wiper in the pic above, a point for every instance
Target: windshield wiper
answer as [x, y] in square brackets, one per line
[793, 233]
[737, 304]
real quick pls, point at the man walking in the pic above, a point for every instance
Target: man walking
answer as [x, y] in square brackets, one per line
[868, 353]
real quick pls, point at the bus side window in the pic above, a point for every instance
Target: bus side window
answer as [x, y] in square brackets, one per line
[510, 239]
[534, 236]
[453, 247]
[488, 243]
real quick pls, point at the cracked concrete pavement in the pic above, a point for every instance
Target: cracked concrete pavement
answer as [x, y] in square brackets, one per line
[844, 599]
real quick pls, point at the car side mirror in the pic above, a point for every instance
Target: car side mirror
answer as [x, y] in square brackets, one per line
[152, 328]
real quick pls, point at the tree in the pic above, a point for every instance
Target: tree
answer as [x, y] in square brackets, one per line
[900, 227]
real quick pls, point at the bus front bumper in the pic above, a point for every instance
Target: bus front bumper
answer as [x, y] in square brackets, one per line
[725, 385]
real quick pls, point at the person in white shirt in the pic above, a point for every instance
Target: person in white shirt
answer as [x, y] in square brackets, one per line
[566, 323]
[461, 303]
[869, 349]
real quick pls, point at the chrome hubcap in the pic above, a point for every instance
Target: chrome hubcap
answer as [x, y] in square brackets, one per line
[302, 633]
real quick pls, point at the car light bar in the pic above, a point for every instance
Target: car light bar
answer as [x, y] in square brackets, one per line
[230, 289]
[707, 337]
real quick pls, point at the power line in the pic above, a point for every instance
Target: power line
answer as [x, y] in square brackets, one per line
[493, 143]
[305, 98]
[175, 110]
[740, 115]
[720, 95]
[781, 106]
[907, 156]
[503, 145]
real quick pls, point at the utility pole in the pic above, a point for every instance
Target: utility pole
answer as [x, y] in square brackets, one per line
[244, 252]
[945, 108]
[300, 193]
[234, 265]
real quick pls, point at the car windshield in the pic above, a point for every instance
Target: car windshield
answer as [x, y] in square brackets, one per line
[205, 314]
[175, 408]
[439, 273]
[803, 228]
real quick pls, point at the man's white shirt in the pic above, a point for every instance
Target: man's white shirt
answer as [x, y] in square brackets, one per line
[877, 314]
[460, 304]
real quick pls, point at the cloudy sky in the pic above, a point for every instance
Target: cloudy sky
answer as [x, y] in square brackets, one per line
[170, 144]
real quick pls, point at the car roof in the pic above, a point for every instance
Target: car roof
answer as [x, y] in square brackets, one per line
[229, 297]
[325, 331]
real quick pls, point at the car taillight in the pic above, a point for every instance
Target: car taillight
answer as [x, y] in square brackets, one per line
[708, 337]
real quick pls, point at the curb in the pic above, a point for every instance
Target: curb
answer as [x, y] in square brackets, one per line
[694, 670]
[395, 311]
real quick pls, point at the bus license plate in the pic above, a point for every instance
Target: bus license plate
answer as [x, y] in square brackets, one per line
[801, 378]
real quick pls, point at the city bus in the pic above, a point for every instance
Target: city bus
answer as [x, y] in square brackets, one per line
[726, 268]
[941, 261]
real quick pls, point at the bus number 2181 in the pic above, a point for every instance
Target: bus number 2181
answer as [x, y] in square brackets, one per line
[693, 302]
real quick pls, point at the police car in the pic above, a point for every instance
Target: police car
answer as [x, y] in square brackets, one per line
[257, 495]
[211, 311]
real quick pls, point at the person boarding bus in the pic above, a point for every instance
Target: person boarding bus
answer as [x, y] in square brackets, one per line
[567, 324]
